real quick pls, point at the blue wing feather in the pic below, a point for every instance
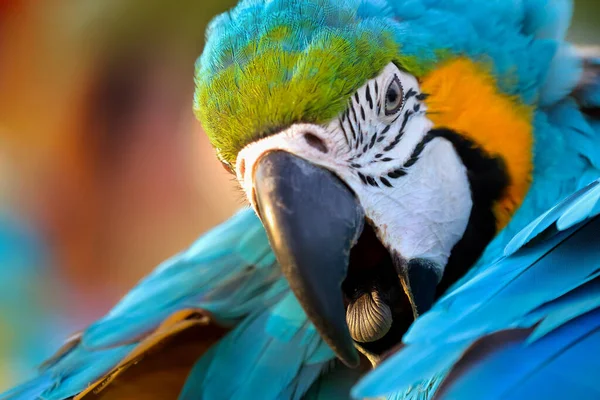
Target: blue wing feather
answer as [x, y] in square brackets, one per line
[263, 357]
[335, 385]
[565, 308]
[568, 354]
[230, 272]
[552, 216]
[79, 368]
[30, 390]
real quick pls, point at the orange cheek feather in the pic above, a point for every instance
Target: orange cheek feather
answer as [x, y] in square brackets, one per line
[463, 96]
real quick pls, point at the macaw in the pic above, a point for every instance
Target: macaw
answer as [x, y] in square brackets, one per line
[423, 186]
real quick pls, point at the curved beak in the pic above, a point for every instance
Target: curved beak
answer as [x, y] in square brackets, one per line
[312, 220]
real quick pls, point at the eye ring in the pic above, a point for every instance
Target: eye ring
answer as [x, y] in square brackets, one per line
[394, 97]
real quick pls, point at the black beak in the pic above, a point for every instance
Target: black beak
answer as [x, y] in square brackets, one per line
[419, 281]
[312, 220]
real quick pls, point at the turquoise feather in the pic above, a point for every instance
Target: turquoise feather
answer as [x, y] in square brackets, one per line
[563, 364]
[230, 272]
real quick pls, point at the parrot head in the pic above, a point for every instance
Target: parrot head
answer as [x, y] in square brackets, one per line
[382, 144]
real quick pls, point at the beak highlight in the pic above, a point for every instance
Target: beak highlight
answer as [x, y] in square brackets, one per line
[312, 220]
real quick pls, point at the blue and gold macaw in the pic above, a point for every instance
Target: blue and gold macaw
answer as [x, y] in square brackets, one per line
[422, 176]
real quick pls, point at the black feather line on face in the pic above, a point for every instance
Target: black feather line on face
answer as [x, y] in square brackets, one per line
[372, 143]
[397, 173]
[372, 181]
[411, 92]
[385, 181]
[351, 125]
[341, 122]
[353, 112]
[358, 141]
[369, 98]
[488, 179]
[396, 140]
[419, 149]
[362, 178]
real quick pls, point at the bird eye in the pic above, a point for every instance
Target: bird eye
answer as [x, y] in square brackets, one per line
[393, 97]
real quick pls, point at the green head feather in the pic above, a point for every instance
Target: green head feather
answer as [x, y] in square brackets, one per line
[288, 73]
[270, 63]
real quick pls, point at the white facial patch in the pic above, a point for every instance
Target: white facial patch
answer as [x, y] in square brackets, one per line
[412, 184]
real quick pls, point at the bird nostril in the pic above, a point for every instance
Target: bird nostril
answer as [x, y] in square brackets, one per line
[315, 141]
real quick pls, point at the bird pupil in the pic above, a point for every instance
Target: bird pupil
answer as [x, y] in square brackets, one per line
[392, 95]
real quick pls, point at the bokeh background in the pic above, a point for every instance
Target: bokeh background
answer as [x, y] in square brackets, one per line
[104, 171]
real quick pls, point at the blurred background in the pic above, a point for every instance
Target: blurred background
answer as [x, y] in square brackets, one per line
[104, 171]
